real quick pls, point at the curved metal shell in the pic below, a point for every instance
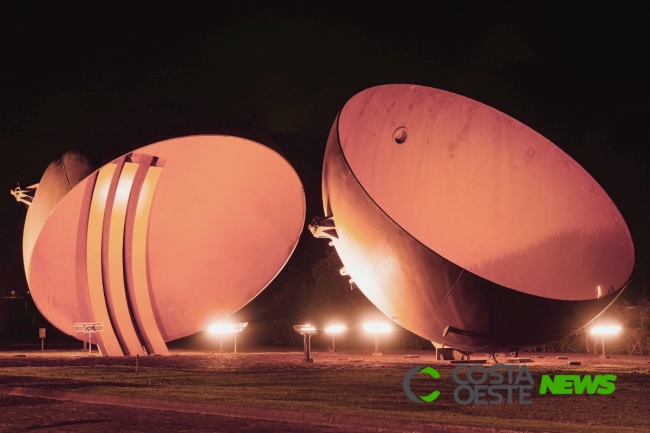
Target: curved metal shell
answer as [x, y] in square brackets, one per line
[164, 240]
[451, 214]
[58, 179]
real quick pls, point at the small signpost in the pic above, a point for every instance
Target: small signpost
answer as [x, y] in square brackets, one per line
[41, 335]
[89, 328]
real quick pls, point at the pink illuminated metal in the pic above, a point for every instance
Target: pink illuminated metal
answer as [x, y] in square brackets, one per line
[161, 242]
[335, 329]
[135, 253]
[485, 191]
[465, 226]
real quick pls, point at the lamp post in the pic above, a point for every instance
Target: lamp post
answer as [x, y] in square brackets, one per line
[604, 330]
[239, 327]
[377, 328]
[306, 331]
[334, 330]
[222, 329]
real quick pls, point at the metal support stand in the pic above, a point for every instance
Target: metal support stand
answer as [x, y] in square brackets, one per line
[604, 355]
[41, 334]
[307, 342]
[376, 352]
[306, 331]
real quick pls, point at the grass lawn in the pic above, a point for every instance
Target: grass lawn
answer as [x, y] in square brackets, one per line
[369, 388]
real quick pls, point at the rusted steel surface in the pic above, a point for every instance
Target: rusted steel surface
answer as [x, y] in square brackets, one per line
[456, 225]
[213, 220]
[485, 191]
[58, 179]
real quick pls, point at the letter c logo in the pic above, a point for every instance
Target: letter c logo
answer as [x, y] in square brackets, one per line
[407, 384]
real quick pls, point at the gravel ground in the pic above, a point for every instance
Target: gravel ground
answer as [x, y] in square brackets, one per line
[23, 414]
[26, 413]
[294, 361]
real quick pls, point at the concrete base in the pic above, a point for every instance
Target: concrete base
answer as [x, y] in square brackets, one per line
[519, 360]
[309, 360]
[448, 354]
[604, 356]
[376, 354]
[468, 361]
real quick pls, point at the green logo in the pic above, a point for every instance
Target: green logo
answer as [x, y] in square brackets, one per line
[481, 389]
[574, 384]
[407, 384]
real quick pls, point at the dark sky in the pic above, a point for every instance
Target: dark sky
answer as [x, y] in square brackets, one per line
[108, 77]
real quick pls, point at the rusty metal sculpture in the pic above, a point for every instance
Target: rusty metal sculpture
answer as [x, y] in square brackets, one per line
[465, 226]
[162, 241]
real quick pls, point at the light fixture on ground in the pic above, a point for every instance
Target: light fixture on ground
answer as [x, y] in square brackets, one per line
[306, 331]
[604, 330]
[222, 329]
[377, 328]
[334, 330]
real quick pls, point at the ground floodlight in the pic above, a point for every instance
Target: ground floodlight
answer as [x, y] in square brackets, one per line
[377, 327]
[334, 329]
[605, 330]
[222, 329]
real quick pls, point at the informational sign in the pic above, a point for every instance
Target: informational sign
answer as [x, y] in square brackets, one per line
[41, 332]
[89, 328]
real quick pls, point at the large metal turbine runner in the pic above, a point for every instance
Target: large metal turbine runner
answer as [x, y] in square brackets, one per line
[465, 226]
[162, 241]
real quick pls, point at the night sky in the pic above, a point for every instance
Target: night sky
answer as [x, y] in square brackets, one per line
[106, 78]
